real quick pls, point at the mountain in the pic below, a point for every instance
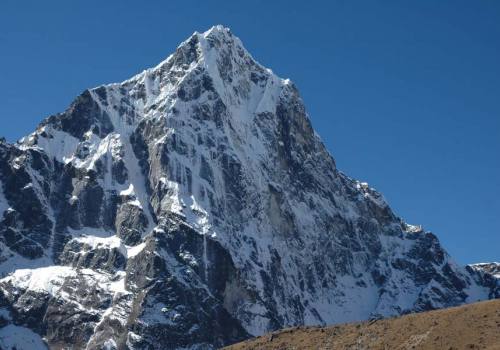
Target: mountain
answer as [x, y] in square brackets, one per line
[492, 269]
[193, 206]
[473, 326]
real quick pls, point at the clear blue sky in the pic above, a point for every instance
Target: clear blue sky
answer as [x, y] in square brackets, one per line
[406, 94]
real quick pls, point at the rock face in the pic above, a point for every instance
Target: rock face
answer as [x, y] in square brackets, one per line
[193, 206]
[487, 274]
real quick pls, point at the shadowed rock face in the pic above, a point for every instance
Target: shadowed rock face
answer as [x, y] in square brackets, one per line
[193, 206]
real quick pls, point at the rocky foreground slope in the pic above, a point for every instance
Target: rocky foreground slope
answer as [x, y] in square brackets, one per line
[193, 206]
[474, 326]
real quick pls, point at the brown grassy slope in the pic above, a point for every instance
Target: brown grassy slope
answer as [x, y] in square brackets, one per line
[474, 326]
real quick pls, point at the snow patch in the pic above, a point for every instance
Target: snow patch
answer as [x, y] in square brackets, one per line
[492, 268]
[111, 242]
[58, 144]
[129, 191]
[133, 251]
[45, 279]
[101, 242]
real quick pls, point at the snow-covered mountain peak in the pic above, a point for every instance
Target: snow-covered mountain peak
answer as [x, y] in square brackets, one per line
[193, 205]
[213, 64]
[218, 30]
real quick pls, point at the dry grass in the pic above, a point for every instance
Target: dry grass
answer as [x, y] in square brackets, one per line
[474, 326]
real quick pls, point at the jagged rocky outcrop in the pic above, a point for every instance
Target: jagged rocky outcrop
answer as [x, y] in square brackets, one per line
[487, 274]
[193, 206]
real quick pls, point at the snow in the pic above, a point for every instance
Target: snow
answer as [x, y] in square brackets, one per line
[110, 242]
[20, 338]
[135, 203]
[116, 286]
[59, 145]
[493, 268]
[46, 279]
[120, 144]
[476, 293]
[51, 278]
[96, 242]
[110, 344]
[413, 228]
[133, 251]
[12, 262]
[106, 150]
[129, 191]
[189, 258]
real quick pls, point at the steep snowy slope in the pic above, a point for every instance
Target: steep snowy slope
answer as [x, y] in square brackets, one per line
[192, 206]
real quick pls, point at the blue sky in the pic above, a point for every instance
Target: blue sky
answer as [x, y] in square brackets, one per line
[405, 94]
